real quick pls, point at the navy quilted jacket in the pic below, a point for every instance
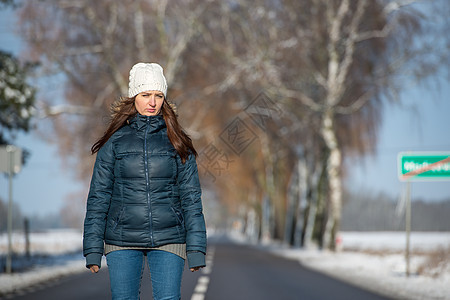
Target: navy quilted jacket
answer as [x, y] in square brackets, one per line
[141, 194]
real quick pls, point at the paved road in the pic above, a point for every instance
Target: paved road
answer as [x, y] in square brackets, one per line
[92, 286]
[236, 272]
[243, 272]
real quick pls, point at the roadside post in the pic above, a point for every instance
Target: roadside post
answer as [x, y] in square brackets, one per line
[10, 163]
[420, 166]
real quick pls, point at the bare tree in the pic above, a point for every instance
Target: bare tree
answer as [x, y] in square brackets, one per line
[94, 44]
[364, 46]
[334, 59]
[326, 64]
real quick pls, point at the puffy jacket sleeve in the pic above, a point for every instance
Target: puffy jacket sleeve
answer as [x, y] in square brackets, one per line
[97, 207]
[191, 203]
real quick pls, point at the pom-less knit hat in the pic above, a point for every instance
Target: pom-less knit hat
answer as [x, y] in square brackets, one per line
[146, 77]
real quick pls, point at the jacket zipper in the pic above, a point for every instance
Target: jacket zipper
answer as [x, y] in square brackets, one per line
[147, 182]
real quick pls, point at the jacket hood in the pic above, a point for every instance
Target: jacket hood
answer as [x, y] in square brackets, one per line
[155, 123]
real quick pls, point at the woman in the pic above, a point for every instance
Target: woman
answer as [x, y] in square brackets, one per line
[145, 196]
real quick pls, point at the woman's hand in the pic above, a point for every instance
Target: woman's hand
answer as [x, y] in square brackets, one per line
[195, 269]
[94, 268]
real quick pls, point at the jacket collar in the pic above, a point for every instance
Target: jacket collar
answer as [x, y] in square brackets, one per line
[154, 123]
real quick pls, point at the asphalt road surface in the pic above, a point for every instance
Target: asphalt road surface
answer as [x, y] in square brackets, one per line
[235, 272]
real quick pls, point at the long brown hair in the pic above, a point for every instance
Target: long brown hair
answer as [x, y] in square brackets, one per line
[124, 110]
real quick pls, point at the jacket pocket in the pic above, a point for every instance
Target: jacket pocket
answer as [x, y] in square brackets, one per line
[118, 218]
[178, 215]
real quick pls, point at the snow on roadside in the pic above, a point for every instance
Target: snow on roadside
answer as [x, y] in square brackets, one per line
[18, 281]
[49, 258]
[383, 273]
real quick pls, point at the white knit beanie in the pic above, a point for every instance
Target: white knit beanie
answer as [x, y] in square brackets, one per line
[146, 77]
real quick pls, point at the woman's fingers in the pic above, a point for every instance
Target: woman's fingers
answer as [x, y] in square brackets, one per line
[94, 269]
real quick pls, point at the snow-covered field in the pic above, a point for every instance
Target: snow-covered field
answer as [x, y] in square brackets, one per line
[395, 241]
[372, 260]
[57, 241]
[53, 254]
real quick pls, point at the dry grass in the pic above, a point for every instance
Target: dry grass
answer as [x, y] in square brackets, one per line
[384, 252]
[377, 252]
[436, 263]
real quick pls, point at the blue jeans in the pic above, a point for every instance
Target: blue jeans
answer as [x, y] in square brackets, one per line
[125, 273]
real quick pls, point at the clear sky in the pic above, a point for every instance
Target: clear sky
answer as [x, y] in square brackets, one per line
[421, 124]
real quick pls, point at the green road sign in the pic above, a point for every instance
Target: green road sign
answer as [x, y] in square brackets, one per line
[419, 166]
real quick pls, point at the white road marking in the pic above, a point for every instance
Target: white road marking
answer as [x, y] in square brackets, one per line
[203, 281]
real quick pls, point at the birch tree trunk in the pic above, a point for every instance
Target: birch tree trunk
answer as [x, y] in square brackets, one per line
[303, 187]
[313, 201]
[268, 200]
[334, 164]
[252, 224]
[292, 199]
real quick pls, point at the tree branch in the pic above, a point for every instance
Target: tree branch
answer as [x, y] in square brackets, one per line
[297, 95]
[355, 106]
[397, 5]
[55, 110]
[350, 44]
[363, 36]
[84, 50]
[139, 30]
[335, 23]
[101, 97]
[107, 43]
